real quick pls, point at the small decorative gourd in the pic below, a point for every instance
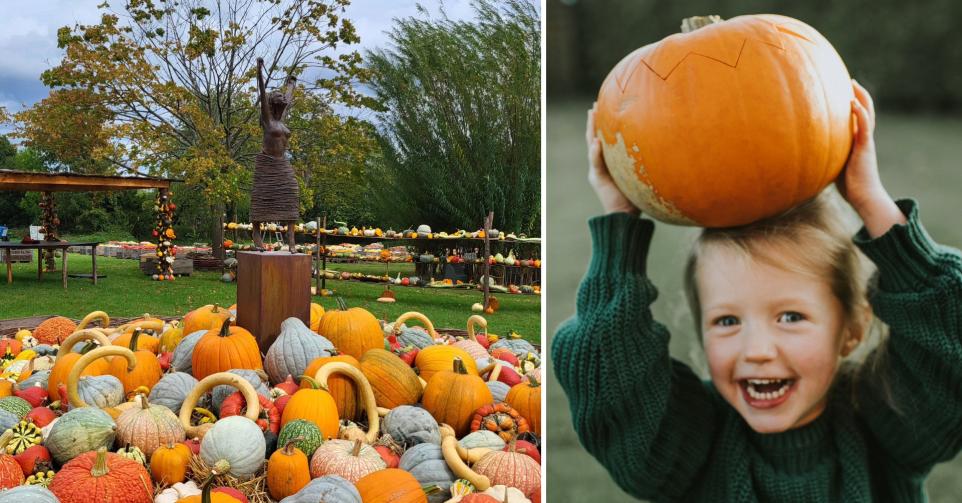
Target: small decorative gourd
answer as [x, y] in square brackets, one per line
[287, 471]
[134, 453]
[168, 464]
[23, 436]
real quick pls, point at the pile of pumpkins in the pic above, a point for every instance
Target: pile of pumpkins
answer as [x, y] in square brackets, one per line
[347, 409]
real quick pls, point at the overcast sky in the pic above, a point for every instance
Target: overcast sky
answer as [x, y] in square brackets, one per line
[28, 36]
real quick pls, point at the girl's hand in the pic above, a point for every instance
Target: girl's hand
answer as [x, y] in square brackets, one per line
[859, 183]
[611, 197]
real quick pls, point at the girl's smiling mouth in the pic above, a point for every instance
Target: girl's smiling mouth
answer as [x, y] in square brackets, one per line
[766, 393]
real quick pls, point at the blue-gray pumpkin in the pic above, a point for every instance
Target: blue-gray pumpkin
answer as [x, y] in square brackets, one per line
[329, 488]
[171, 390]
[410, 426]
[184, 352]
[101, 391]
[427, 464]
[295, 348]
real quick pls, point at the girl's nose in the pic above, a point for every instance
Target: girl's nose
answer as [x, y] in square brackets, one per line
[759, 345]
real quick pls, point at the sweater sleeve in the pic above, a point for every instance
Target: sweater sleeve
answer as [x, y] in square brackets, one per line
[912, 401]
[646, 417]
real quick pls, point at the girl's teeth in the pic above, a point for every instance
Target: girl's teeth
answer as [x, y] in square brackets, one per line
[769, 395]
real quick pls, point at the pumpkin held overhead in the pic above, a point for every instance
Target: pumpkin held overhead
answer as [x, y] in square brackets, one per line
[728, 122]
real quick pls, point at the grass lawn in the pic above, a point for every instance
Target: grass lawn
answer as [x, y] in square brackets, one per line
[128, 292]
[918, 157]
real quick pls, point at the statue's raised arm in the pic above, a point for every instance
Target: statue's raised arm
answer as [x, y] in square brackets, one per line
[262, 92]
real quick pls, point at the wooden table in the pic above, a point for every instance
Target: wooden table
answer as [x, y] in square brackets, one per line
[43, 245]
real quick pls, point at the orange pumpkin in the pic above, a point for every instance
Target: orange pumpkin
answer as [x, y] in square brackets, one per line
[146, 373]
[54, 330]
[453, 396]
[168, 464]
[438, 358]
[342, 389]
[145, 341]
[391, 485]
[223, 348]
[100, 476]
[353, 331]
[287, 471]
[65, 361]
[727, 123]
[314, 405]
[525, 397]
[393, 381]
[203, 318]
[317, 311]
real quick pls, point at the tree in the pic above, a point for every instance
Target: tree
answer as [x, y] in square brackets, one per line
[463, 105]
[176, 78]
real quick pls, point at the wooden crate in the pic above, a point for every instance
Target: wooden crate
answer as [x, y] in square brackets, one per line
[182, 266]
[17, 256]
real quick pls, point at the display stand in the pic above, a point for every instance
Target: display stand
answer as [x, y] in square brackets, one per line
[272, 287]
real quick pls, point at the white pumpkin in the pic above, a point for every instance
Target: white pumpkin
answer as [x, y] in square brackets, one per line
[237, 440]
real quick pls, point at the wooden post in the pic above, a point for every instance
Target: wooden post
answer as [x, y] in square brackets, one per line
[320, 272]
[272, 287]
[488, 222]
[323, 256]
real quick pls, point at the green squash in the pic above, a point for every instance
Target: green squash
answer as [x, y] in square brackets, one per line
[312, 437]
[79, 431]
[17, 405]
[133, 452]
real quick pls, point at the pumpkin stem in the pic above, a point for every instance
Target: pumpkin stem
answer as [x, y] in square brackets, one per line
[431, 489]
[313, 382]
[88, 347]
[357, 448]
[143, 401]
[532, 382]
[133, 339]
[341, 303]
[289, 446]
[100, 463]
[690, 24]
[220, 468]
[459, 366]
[224, 329]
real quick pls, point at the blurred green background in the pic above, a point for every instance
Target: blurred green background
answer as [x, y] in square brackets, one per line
[908, 56]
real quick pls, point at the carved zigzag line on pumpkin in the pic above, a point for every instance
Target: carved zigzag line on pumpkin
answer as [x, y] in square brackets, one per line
[780, 28]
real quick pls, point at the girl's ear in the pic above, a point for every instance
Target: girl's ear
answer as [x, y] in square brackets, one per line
[856, 331]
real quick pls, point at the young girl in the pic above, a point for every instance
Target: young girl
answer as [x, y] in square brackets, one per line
[778, 305]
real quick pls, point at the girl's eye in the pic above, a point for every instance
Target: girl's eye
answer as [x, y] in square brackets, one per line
[791, 317]
[726, 321]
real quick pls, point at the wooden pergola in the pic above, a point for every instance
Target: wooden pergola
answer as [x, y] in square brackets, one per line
[47, 183]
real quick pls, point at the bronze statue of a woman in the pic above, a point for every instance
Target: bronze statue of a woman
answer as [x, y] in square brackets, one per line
[274, 197]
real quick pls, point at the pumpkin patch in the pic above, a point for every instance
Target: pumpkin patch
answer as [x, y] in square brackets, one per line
[306, 428]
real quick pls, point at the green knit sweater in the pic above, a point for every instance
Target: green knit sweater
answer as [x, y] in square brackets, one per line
[666, 435]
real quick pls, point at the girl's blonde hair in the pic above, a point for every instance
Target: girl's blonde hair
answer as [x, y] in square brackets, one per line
[814, 238]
